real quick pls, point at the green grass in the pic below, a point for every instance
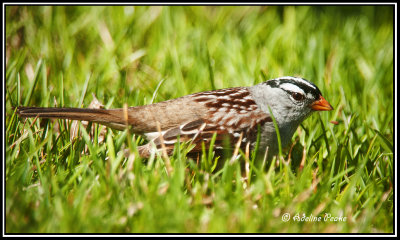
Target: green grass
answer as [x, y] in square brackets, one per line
[137, 55]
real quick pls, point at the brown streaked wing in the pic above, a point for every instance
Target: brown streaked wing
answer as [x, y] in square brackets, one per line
[201, 131]
[227, 112]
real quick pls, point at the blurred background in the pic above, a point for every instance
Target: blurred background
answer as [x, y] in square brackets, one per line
[135, 47]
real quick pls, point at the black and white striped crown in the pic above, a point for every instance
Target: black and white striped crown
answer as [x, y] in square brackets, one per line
[295, 84]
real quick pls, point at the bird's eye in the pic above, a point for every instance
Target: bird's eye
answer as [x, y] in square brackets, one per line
[297, 96]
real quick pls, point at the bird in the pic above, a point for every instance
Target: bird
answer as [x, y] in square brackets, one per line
[235, 114]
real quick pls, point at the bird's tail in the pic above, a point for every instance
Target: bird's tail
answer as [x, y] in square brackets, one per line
[110, 117]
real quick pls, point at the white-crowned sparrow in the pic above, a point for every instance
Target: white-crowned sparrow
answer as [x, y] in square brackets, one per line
[232, 112]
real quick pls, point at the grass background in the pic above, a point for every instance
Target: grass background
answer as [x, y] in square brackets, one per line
[61, 55]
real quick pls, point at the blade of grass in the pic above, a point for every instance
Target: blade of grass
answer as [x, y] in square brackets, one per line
[386, 143]
[210, 69]
[33, 84]
[85, 86]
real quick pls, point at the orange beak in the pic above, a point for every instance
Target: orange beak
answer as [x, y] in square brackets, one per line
[321, 105]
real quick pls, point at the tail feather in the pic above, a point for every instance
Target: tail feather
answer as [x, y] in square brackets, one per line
[112, 117]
